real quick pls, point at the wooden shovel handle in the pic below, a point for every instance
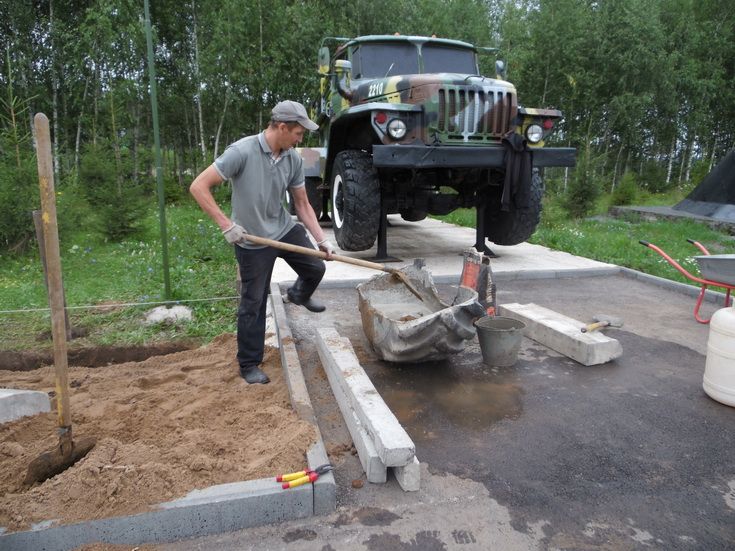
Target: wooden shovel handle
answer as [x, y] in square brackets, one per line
[319, 254]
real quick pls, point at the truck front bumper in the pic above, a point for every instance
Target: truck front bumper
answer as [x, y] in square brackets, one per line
[419, 156]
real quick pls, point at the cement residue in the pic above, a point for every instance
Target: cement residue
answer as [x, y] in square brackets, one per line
[164, 427]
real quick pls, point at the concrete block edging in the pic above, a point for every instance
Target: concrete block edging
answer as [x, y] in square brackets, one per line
[213, 510]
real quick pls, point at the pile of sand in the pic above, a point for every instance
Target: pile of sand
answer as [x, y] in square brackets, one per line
[164, 426]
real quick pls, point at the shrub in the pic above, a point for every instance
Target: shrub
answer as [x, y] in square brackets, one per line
[583, 190]
[118, 204]
[626, 191]
[19, 196]
[653, 178]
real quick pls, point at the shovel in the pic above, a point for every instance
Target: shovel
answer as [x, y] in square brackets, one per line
[339, 258]
[68, 451]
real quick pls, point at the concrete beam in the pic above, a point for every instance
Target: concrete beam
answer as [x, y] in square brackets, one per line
[325, 488]
[395, 448]
[375, 470]
[409, 476]
[563, 334]
[15, 404]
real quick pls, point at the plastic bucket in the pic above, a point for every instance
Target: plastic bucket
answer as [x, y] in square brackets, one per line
[500, 339]
[719, 371]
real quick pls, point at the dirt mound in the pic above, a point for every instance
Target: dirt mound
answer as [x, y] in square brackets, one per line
[164, 426]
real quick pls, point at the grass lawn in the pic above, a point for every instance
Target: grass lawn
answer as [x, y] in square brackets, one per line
[203, 270]
[616, 241]
[99, 273]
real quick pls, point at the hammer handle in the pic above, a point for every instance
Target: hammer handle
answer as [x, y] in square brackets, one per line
[596, 325]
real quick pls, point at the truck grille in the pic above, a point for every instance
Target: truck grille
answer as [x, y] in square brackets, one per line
[472, 114]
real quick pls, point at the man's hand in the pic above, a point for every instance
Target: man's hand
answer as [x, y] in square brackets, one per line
[235, 234]
[326, 246]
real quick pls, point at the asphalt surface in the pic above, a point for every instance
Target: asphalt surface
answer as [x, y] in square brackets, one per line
[547, 454]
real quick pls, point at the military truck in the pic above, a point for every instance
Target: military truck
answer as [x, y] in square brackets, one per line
[408, 125]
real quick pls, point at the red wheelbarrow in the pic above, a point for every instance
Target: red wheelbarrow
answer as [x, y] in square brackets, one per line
[717, 270]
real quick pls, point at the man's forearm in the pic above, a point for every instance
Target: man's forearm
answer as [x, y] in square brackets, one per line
[308, 218]
[201, 190]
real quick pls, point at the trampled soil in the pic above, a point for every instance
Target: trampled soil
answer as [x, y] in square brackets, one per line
[164, 426]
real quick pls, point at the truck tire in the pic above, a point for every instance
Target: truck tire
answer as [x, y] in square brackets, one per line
[355, 200]
[517, 225]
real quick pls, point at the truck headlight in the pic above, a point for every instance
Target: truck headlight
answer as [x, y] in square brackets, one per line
[534, 133]
[397, 129]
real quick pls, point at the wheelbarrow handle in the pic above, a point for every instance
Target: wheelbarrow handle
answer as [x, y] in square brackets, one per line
[644, 243]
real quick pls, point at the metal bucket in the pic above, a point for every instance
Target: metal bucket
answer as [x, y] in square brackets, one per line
[500, 339]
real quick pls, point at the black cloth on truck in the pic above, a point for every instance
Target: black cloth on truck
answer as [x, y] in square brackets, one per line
[518, 169]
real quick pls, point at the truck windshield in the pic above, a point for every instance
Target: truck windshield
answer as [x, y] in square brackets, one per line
[384, 59]
[381, 59]
[443, 59]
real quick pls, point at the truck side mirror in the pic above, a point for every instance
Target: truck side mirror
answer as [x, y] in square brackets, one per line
[500, 69]
[342, 74]
[323, 60]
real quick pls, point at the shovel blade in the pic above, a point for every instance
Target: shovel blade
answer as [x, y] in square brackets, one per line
[55, 461]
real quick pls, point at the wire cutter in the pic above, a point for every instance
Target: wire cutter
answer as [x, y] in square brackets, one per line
[291, 480]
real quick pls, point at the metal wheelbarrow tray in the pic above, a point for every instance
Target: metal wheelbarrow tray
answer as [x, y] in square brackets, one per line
[717, 270]
[717, 267]
[403, 328]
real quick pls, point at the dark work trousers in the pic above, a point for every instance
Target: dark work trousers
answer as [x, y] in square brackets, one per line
[256, 268]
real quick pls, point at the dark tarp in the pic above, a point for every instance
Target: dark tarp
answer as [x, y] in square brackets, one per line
[715, 196]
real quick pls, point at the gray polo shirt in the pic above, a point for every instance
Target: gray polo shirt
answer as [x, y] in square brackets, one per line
[259, 184]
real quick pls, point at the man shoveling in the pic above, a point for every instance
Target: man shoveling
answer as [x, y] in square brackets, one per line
[262, 169]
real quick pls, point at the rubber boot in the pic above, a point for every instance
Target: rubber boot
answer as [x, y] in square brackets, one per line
[254, 375]
[300, 294]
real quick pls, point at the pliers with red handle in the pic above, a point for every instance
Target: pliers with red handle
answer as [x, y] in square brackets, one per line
[291, 480]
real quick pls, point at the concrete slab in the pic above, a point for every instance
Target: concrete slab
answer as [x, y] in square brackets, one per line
[441, 245]
[563, 334]
[394, 446]
[15, 404]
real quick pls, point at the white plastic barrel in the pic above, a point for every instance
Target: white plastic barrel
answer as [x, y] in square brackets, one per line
[719, 370]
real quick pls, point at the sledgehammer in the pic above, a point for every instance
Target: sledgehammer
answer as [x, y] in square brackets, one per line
[601, 321]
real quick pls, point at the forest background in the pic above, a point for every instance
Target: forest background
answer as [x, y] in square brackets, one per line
[647, 87]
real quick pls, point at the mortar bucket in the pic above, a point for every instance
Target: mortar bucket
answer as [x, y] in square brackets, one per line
[500, 339]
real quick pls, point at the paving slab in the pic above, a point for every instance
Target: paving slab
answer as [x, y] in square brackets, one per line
[563, 334]
[441, 245]
[15, 403]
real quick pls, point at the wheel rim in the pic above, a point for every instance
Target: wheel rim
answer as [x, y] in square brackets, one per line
[337, 201]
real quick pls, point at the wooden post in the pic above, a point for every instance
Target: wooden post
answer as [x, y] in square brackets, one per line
[55, 288]
[41, 248]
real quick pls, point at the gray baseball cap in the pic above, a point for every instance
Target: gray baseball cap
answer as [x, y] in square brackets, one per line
[293, 111]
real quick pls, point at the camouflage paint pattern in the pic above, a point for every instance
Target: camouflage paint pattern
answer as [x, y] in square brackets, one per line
[438, 108]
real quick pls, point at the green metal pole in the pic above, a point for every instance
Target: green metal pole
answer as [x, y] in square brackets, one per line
[157, 139]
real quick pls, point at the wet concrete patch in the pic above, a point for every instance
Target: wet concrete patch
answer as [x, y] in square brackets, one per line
[299, 534]
[423, 541]
[368, 516]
